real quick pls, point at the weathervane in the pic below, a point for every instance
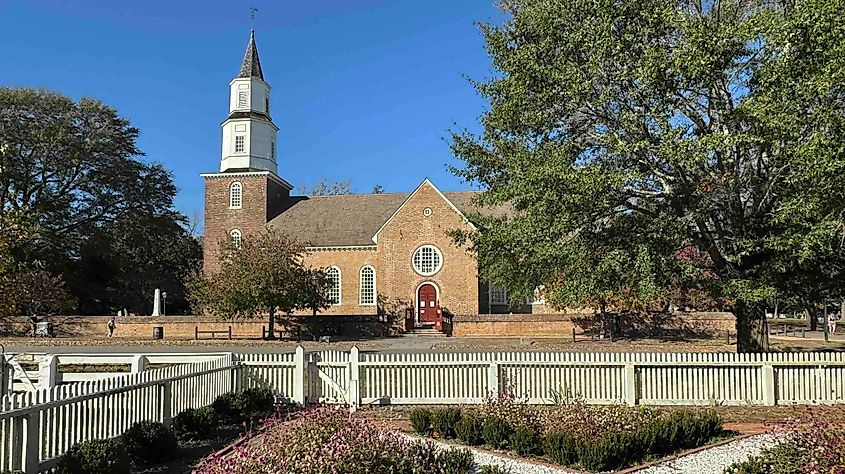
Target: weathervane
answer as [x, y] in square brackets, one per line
[252, 11]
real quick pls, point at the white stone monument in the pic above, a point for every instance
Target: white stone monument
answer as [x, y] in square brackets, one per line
[157, 303]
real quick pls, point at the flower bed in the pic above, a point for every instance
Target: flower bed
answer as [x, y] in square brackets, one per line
[813, 445]
[330, 441]
[572, 433]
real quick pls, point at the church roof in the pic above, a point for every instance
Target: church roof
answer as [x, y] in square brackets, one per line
[353, 220]
[251, 67]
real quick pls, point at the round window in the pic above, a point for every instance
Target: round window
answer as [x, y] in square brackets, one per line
[427, 260]
[427, 211]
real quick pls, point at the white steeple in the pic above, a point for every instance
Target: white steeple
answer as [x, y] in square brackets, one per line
[249, 134]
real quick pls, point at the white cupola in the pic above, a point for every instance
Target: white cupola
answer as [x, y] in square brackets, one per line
[249, 134]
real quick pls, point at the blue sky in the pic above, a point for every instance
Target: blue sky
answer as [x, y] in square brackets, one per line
[364, 90]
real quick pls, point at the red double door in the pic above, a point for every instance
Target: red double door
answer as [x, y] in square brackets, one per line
[427, 303]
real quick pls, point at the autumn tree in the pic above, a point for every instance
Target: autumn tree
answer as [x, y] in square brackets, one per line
[264, 275]
[642, 127]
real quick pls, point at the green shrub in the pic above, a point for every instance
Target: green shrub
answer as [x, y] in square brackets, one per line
[445, 420]
[98, 456]
[470, 429]
[421, 421]
[226, 407]
[491, 469]
[496, 432]
[456, 461]
[244, 405]
[196, 423]
[525, 441]
[149, 442]
[561, 448]
[784, 458]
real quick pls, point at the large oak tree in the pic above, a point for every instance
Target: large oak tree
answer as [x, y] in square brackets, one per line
[639, 128]
[103, 217]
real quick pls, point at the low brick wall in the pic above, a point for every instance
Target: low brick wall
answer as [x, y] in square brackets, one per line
[704, 324]
[182, 327]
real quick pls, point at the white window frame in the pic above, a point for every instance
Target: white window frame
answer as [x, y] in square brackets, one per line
[372, 290]
[242, 143]
[337, 283]
[243, 99]
[236, 238]
[417, 257]
[492, 289]
[236, 195]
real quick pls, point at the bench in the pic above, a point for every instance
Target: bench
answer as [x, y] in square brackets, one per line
[212, 332]
[784, 329]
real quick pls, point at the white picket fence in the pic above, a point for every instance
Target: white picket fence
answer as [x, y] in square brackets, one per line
[37, 427]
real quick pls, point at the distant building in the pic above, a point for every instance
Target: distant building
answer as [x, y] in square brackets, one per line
[376, 247]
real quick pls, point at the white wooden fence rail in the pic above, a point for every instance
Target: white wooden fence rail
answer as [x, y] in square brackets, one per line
[37, 427]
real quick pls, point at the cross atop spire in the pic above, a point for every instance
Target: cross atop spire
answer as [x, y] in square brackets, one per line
[251, 67]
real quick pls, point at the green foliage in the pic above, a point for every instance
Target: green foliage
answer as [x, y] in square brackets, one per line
[497, 432]
[470, 429]
[445, 420]
[421, 420]
[244, 405]
[455, 461]
[526, 441]
[676, 431]
[196, 423]
[99, 456]
[104, 219]
[491, 469]
[149, 442]
[561, 447]
[653, 148]
[266, 273]
[784, 458]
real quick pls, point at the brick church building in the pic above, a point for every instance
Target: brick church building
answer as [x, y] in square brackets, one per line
[375, 247]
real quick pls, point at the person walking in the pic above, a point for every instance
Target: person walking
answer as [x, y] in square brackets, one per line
[831, 323]
[111, 326]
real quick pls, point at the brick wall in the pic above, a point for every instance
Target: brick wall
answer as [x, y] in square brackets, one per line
[263, 199]
[704, 324]
[349, 261]
[181, 327]
[457, 280]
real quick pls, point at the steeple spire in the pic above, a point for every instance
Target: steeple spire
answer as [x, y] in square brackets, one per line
[251, 67]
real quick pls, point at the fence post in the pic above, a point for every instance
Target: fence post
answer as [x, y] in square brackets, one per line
[48, 372]
[139, 363]
[493, 379]
[354, 373]
[32, 453]
[166, 396]
[5, 376]
[768, 380]
[630, 380]
[298, 395]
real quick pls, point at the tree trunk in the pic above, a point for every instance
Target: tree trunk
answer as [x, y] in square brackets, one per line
[810, 312]
[752, 329]
[271, 325]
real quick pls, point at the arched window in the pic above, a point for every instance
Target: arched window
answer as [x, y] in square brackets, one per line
[368, 286]
[236, 195]
[333, 273]
[235, 236]
[427, 260]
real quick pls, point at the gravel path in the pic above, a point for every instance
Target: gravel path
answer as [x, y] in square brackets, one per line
[485, 458]
[714, 460]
